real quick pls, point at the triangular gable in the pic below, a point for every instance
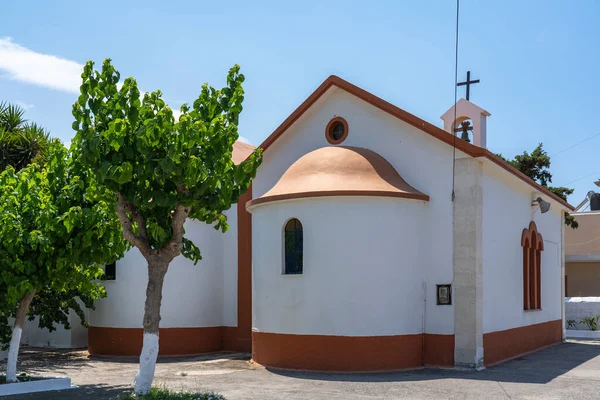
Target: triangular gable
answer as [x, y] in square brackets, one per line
[424, 126]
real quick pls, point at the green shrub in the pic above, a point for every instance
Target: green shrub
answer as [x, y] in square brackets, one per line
[591, 322]
[571, 324]
[166, 394]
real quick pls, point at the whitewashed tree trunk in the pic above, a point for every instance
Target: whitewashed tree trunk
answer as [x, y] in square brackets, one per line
[15, 341]
[145, 375]
[158, 264]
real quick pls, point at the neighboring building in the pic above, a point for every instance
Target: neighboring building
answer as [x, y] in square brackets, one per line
[582, 255]
[376, 241]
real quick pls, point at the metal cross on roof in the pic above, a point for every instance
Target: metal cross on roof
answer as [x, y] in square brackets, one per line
[468, 82]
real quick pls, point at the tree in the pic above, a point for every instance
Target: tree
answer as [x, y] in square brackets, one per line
[21, 142]
[537, 166]
[56, 229]
[161, 171]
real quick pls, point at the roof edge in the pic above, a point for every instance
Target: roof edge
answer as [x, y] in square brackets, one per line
[336, 193]
[503, 164]
[438, 133]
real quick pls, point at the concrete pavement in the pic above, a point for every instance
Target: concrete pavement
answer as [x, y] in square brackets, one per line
[566, 371]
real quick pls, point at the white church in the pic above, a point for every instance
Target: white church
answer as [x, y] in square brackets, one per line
[370, 240]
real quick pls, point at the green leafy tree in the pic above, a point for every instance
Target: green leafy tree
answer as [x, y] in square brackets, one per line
[21, 142]
[536, 165]
[161, 171]
[56, 229]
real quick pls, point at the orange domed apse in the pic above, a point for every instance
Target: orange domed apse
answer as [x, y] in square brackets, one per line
[340, 171]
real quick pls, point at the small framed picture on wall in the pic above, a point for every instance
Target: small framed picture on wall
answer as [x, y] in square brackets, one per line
[444, 295]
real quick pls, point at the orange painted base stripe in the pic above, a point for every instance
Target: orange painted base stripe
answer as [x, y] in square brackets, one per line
[326, 353]
[504, 345]
[438, 350]
[337, 353]
[127, 342]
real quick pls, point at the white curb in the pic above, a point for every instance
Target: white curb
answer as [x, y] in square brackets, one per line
[45, 384]
[577, 334]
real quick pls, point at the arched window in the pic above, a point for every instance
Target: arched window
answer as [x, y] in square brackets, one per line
[533, 245]
[293, 247]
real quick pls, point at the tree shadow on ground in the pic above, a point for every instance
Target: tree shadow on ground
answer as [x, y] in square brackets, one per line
[169, 360]
[91, 392]
[44, 361]
[540, 367]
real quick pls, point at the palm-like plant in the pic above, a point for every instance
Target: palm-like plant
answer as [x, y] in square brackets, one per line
[21, 142]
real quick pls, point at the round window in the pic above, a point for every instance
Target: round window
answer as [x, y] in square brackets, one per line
[337, 130]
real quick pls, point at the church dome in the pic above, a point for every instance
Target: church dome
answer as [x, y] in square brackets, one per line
[340, 171]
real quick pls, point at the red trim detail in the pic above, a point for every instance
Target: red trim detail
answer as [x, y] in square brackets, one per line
[504, 345]
[438, 350]
[337, 353]
[533, 244]
[173, 341]
[328, 136]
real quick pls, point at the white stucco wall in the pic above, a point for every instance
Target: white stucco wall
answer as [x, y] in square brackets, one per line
[79, 337]
[507, 211]
[41, 337]
[192, 295]
[363, 269]
[423, 161]
[76, 337]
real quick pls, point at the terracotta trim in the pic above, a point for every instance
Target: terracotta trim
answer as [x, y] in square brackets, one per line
[504, 345]
[438, 350]
[337, 353]
[244, 282]
[233, 342]
[330, 124]
[127, 342]
[533, 244]
[411, 119]
[334, 193]
[531, 237]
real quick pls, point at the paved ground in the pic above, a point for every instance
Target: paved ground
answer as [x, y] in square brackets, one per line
[567, 371]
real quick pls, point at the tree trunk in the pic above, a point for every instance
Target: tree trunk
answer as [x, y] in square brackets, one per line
[15, 341]
[145, 375]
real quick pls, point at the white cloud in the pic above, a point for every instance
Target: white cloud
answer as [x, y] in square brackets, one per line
[176, 113]
[243, 139]
[46, 70]
[23, 105]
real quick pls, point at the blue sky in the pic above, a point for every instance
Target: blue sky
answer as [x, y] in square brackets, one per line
[538, 61]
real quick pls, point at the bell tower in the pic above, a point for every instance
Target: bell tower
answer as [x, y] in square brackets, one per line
[469, 119]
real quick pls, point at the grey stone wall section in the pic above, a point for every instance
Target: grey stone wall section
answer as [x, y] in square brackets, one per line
[578, 308]
[468, 264]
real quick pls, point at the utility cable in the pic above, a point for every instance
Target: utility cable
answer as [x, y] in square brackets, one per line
[455, 99]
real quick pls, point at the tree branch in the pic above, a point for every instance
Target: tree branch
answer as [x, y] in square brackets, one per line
[182, 189]
[141, 242]
[141, 222]
[177, 220]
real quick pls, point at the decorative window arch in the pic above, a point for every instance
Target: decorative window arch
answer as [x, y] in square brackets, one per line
[293, 247]
[533, 245]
